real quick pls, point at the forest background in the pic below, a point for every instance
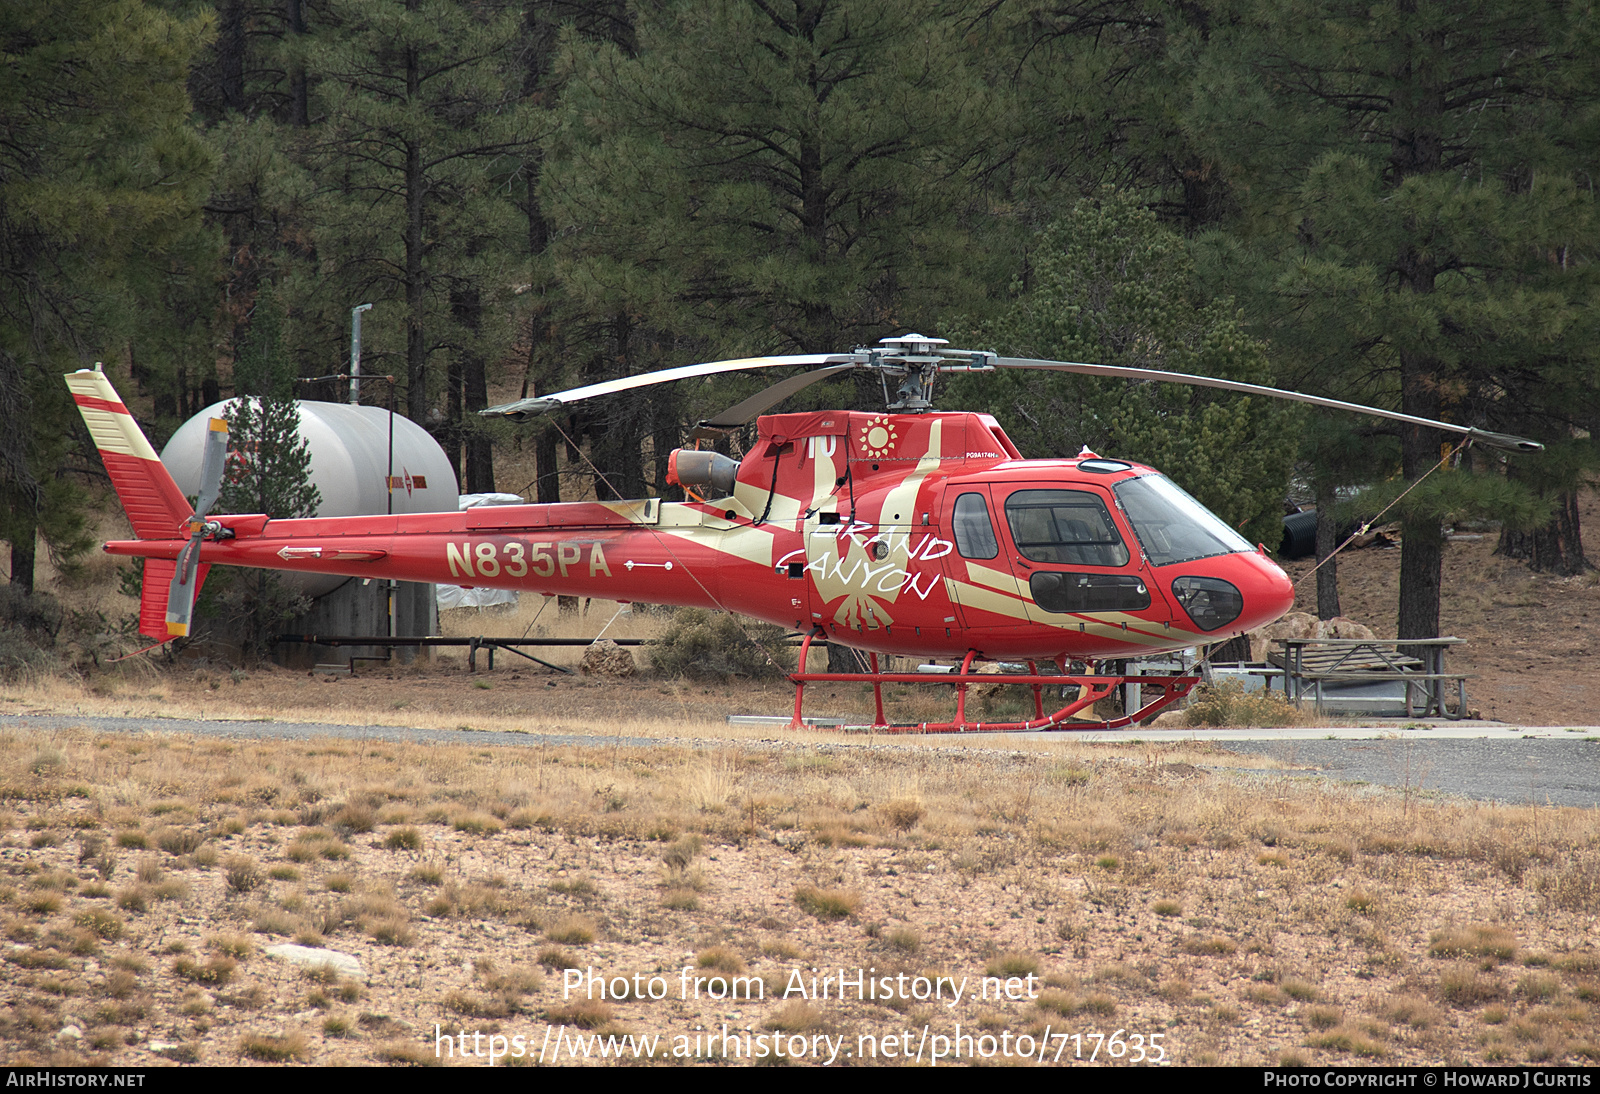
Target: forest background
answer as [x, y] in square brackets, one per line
[1390, 203]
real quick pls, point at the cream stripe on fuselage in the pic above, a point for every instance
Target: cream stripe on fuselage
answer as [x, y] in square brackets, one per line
[1140, 632]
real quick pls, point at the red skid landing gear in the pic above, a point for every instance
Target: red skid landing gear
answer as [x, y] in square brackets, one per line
[1091, 689]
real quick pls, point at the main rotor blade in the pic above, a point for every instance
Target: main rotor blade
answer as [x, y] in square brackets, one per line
[763, 400]
[1484, 436]
[212, 461]
[523, 409]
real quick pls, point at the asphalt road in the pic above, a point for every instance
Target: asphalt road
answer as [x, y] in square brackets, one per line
[1485, 761]
[1525, 771]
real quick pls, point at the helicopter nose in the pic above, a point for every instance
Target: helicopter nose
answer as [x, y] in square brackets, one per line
[1267, 591]
[1277, 597]
[1228, 594]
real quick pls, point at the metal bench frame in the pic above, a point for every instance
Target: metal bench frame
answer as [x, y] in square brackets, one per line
[1416, 662]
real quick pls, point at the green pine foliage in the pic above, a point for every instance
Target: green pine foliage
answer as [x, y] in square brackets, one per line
[268, 471]
[420, 127]
[269, 462]
[739, 178]
[101, 179]
[1412, 176]
[769, 177]
[1109, 284]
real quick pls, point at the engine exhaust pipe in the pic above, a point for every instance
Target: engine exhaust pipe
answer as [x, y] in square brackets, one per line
[689, 467]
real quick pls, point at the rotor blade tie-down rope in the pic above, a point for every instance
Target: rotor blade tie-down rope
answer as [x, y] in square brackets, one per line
[1365, 528]
[772, 491]
[1354, 535]
[545, 600]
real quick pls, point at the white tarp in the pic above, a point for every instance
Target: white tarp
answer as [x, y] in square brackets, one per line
[454, 596]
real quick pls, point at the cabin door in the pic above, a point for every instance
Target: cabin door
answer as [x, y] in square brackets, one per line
[1073, 562]
[982, 585]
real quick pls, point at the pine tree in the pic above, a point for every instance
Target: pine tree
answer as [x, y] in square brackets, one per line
[268, 471]
[1112, 286]
[269, 464]
[100, 179]
[1094, 94]
[1412, 170]
[768, 176]
[743, 177]
[423, 126]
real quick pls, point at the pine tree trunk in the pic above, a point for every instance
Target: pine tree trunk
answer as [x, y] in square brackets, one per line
[416, 188]
[842, 658]
[478, 455]
[1327, 561]
[1235, 650]
[664, 440]
[24, 550]
[1556, 548]
[416, 349]
[1421, 573]
[547, 480]
[449, 436]
[232, 44]
[479, 452]
[299, 91]
[1416, 148]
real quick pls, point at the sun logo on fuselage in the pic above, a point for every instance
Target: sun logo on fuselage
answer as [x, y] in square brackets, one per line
[878, 437]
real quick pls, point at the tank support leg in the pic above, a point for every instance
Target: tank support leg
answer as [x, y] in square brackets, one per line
[961, 692]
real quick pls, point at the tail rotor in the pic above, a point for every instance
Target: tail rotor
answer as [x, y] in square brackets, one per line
[181, 593]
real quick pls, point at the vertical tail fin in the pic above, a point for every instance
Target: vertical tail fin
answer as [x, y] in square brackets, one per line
[155, 506]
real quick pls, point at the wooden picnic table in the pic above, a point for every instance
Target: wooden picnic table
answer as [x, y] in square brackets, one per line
[1308, 663]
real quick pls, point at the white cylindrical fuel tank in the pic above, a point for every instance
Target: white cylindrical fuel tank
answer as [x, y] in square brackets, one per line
[349, 465]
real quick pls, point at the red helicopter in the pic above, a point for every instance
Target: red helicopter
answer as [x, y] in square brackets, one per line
[911, 532]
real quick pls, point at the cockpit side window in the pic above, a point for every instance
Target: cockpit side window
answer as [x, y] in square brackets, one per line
[975, 536]
[1069, 527]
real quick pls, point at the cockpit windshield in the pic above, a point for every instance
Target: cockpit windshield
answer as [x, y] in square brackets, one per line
[1171, 525]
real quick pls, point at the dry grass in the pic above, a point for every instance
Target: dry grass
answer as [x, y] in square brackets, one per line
[776, 860]
[1228, 704]
[1465, 985]
[827, 904]
[586, 1014]
[719, 959]
[274, 1049]
[217, 970]
[1012, 964]
[406, 838]
[243, 874]
[1476, 941]
[798, 1017]
[573, 930]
